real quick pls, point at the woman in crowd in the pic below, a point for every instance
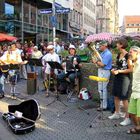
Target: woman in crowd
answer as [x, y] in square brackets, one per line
[122, 79]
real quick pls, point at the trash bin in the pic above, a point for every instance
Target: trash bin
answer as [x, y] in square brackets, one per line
[31, 83]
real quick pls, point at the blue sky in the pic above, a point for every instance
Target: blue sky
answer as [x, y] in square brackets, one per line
[128, 7]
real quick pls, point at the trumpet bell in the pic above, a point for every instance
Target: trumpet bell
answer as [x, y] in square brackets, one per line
[99, 79]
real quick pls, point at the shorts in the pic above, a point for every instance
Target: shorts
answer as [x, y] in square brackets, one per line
[134, 107]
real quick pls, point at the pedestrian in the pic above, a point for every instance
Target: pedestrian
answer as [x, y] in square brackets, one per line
[104, 68]
[134, 104]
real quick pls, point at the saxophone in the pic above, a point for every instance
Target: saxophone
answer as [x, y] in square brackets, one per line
[95, 54]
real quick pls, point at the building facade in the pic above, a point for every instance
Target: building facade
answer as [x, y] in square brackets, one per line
[89, 17]
[76, 19]
[107, 16]
[131, 24]
[22, 18]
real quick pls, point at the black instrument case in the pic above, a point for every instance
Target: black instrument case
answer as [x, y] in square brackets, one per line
[26, 123]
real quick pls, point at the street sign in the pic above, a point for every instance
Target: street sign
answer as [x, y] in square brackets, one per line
[53, 21]
[45, 11]
[58, 11]
[63, 11]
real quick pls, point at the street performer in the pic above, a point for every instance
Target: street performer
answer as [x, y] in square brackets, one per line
[104, 68]
[71, 69]
[50, 56]
[11, 56]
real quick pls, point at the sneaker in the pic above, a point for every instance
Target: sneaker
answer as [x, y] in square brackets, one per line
[114, 116]
[126, 122]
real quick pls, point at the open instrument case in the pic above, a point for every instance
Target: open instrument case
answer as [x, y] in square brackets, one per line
[23, 122]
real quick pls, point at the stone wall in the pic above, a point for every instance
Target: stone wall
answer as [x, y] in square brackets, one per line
[90, 69]
[86, 70]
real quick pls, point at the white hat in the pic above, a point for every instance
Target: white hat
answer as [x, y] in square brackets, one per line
[50, 47]
[72, 47]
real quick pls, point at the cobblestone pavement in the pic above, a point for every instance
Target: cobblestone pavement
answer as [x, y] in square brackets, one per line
[59, 122]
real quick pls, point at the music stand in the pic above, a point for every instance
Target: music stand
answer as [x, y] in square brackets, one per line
[35, 62]
[102, 80]
[55, 65]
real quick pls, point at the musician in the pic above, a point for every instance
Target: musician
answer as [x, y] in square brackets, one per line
[103, 71]
[50, 56]
[12, 56]
[36, 54]
[70, 74]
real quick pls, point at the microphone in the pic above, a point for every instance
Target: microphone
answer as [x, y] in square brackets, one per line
[74, 60]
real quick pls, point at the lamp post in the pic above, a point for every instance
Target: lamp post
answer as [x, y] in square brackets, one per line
[54, 29]
[22, 22]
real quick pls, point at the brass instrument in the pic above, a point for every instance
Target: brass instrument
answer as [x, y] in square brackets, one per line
[95, 54]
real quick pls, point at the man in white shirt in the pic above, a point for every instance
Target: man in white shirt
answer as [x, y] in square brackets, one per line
[51, 56]
[12, 56]
[134, 105]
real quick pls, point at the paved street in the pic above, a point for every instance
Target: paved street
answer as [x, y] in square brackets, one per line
[57, 125]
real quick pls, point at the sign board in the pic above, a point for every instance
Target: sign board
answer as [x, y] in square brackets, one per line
[58, 11]
[63, 10]
[45, 11]
[53, 21]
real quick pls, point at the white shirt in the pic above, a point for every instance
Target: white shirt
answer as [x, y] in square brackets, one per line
[136, 80]
[57, 48]
[37, 54]
[13, 56]
[50, 57]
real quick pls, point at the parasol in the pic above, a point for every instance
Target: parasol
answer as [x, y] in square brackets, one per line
[100, 36]
[6, 37]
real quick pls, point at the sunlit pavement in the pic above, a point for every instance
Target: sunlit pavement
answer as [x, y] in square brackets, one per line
[59, 122]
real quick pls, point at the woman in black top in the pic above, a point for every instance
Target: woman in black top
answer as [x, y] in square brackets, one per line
[122, 81]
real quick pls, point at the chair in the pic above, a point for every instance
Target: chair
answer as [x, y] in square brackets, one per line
[72, 89]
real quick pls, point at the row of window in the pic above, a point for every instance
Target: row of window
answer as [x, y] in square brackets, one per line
[132, 29]
[138, 24]
[89, 20]
[76, 17]
[90, 5]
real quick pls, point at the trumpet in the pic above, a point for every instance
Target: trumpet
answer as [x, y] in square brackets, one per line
[95, 54]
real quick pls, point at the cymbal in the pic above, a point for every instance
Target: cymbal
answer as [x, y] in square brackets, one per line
[99, 79]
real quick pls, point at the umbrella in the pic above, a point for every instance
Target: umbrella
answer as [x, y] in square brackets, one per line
[100, 36]
[6, 37]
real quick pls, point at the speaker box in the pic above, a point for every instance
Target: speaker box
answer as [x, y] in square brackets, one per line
[31, 86]
[31, 83]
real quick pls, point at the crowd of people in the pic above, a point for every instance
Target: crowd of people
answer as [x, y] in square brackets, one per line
[126, 72]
